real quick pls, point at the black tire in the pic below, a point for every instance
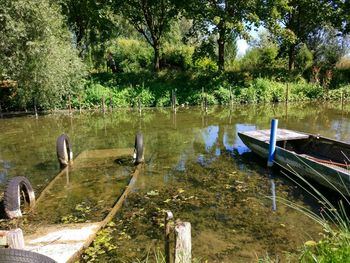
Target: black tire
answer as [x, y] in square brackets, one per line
[9, 255]
[138, 150]
[64, 150]
[16, 188]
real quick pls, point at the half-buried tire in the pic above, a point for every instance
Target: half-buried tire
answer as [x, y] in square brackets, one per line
[138, 150]
[9, 255]
[64, 150]
[18, 194]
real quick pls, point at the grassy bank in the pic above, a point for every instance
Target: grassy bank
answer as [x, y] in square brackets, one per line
[124, 89]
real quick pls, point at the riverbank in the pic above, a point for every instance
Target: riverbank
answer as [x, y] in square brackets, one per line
[129, 89]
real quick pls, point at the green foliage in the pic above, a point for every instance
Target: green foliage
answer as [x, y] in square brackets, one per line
[304, 58]
[101, 246]
[36, 51]
[206, 65]
[178, 56]
[131, 55]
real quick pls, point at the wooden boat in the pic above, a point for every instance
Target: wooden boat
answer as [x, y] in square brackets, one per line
[323, 160]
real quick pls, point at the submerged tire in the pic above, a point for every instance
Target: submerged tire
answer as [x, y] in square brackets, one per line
[9, 255]
[64, 150]
[16, 188]
[138, 150]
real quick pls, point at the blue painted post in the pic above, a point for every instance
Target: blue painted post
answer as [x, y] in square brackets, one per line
[272, 147]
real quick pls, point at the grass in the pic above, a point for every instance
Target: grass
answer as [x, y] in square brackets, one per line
[335, 243]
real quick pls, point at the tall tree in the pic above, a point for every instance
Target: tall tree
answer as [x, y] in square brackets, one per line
[294, 20]
[224, 18]
[36, 52]
[89, 20]
[151, 18]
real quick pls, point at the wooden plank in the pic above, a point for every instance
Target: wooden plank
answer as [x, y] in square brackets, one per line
[282, 135]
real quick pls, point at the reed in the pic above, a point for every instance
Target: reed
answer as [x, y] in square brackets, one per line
[335, 243]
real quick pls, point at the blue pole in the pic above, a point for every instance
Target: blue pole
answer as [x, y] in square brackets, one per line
[272, 146]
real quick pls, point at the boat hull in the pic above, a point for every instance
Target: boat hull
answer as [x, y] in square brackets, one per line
[333, 178]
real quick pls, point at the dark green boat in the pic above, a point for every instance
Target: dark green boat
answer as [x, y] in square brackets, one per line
[321, 159]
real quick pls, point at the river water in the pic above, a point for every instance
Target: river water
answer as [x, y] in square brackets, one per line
[195, 165]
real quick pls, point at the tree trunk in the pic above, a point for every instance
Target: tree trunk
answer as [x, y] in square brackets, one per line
[221, 43]
[156, 47]
[291, 55]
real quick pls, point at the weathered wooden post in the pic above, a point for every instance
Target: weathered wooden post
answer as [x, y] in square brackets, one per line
[139, 105]
[35, 109]
[12, 238]
[231, 98]
[79, 98]
[202, 103]
[168, 226]
[103, 105]
[69, 105]
[183, 244]
[287, 92]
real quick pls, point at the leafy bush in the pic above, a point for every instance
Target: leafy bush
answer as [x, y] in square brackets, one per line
[179, 57]
[206, 65]
[222, 95]
[132, 54]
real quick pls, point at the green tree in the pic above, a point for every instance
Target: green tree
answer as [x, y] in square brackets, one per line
[222, 17]
[151, 18]
[328, 46]
[304, 58]
[292, 21]
[36, 52]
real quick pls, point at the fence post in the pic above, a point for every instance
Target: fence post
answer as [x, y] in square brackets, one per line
[69, 105]
[139, 105]
[183, 244]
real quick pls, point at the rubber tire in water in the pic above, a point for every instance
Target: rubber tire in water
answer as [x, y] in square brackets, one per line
[12, 196]
[64, 150]
[9, 255]
[138, 152]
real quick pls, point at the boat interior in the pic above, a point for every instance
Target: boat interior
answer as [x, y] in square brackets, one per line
[320, 149]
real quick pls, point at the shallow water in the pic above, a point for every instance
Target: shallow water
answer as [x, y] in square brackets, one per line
[195, 165]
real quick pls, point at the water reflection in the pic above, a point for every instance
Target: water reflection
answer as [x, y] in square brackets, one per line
[225, 185]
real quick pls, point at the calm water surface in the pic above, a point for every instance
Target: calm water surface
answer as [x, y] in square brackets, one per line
[222, 187]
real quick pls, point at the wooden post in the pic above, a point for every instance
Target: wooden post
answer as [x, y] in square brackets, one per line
[139, 105]
[231, 98]
[167, 224]
[35, 109]
[287, 92]
[103, 104]
[79, 98]
[12, 238]
[183, 242]
[202, 98]
[206, 103]
[69, 105]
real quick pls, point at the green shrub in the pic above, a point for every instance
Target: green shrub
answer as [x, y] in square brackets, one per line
[222, 95]
[206, 65]
[180, 57]
[132, 55]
